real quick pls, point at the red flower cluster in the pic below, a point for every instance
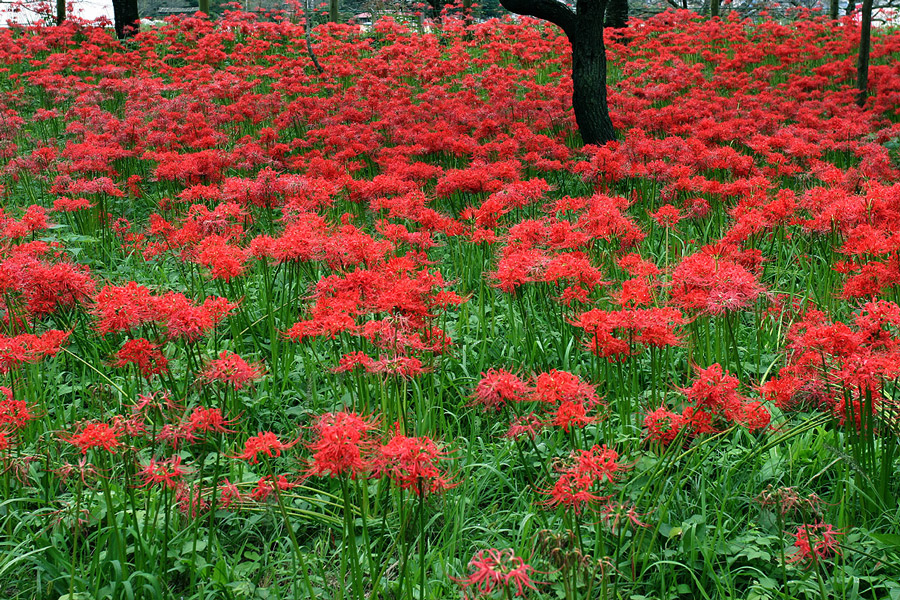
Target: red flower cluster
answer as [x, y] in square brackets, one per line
[145, 355]
[814, 542]
[566, 400]
[263, 444]
[583, 476]
[495, 570]
[96, 435]
[714, 403]
[123, 308]
[412, 463]
[343, 445]
[231, 368]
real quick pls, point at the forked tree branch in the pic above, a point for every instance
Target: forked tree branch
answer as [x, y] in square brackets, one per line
[548, 10]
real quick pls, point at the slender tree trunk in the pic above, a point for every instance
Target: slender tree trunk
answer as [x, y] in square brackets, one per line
[203, 6]
[833, 10]
[307, 24]
[60, 11]
[851, 6]
[589, 74]
[714, 8]
[616, 14]
[437, 7]
[125, 18]
[333, 13]
[865, 45]
[684, 4]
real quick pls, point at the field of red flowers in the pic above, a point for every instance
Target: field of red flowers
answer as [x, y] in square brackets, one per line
[389, 332]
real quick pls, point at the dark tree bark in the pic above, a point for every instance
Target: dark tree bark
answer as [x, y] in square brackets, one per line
[851, 6]
[616, 14]
[584, 28]
[203, 6]
[436, 6]
[333, 12]
[307, 27]
[60, 11]
[125, 18]
[714, 8]
[467, 12]
[833, 10]
[862, 63]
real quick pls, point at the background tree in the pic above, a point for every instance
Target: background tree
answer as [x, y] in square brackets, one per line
[584, 28]
[125, 18]
[862, 62]
[60, 11]
[616, 14]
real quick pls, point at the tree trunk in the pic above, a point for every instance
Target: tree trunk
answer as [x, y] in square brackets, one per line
[851, 5]
[833, 10]
[333, 11]
[584, 28]
[203, 6]
[865, 44]
[714, 8]
[125, 18]
[467, 12]
[616, 14]
[307, 26]
[436, 6]
[589, 74]
[684, 4]
[60, 11]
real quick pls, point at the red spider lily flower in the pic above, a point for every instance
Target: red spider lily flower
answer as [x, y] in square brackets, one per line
[231, 368]
[713, 284]
[204, 420]
[175, 434]
[615, 513]
[667, 216]
[224, 261]
[230, 493]
[342, 444]
[714, 393]
[133, 425]
[571, 414]
[529, 425]
[556, 387]
[573, 490]
[96, 435]
[662, 425]
[13, 413]
[83, 469]
[264, 487]
[63, 204]
[497, 570]
[599, 462]
[190, 500]
[165, 473]
[412, 464]
[265, 443]
[29, 348]
[496, 388]
[582, 476]
[145, 355]
[814, 542]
